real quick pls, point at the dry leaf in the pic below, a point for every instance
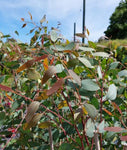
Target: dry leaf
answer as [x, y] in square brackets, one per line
[48, 74]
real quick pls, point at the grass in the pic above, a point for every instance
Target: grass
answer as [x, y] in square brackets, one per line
[114, 43]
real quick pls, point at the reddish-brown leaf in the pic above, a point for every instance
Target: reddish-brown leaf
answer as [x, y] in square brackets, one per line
[30, 15]
[41, 57]
[42, 40]
[23, 25]
[28, 64]
[114, 129]
[75, 76]
[123, 138]
[6, 88]
[22, 19]
[108, 112]
[56, 86]
[52, 60]
[116, 107]
[48, 74]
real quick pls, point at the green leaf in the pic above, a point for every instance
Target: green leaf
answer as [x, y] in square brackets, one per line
[16, 32]
[90, 128]
[92, 44]
[101, 127]
[54, 35]
[70, 46]
[44, 125]
[57, 48]
[99, 72]
[114, 65]
[122, 73]
[14, 106]
[6, 36]
[0, 45]
[2, 79]
[59, 68]
[2, 117]
[78, 69]
[101, 54]
[112, 92]
[65, 146]
[92, 111]
[89, 85]
[86, 49]
[85, 62]
[72, 62]
[12, 64]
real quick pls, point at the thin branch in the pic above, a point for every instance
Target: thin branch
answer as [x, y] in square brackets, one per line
[50, 138]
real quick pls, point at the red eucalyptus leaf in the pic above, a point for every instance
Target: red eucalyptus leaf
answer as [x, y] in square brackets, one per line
[29, 63]
[116, 107]
[123, 138]
[114, 129]
[42, 40]
[55, 87]
[52, 60]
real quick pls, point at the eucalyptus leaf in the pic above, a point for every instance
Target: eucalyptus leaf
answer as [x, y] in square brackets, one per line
[2, 117]
[90, 128]
[0, 45]
[86, 49]
[89, 85]
[33, 74]
[112, 92]
[92, 111]
[75, 77]
[65, 146]
[70, 46]
[101, 54]
[101, 127]
[85, 62]
[59, 68]
[99, 72]
[57, 47]
[54, 35]
[114, 65]
[122, 73]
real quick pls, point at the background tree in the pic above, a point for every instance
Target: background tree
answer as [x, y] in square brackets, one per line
[118, 22]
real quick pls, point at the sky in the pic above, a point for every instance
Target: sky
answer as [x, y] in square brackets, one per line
[67, 12]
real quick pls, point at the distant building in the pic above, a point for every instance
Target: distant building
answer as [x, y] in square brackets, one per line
[103, 38]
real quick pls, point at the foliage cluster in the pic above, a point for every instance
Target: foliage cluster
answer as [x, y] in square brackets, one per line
[60, 95]
[118, 22]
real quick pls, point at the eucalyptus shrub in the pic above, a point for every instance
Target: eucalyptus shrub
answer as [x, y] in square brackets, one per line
[60, 95]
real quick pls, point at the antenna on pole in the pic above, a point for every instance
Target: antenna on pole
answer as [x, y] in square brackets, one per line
[83, 24]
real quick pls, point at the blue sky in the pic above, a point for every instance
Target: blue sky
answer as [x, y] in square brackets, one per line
[67, 12]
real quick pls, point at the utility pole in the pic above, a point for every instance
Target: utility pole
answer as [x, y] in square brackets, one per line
[74, 31]
[83, 24]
